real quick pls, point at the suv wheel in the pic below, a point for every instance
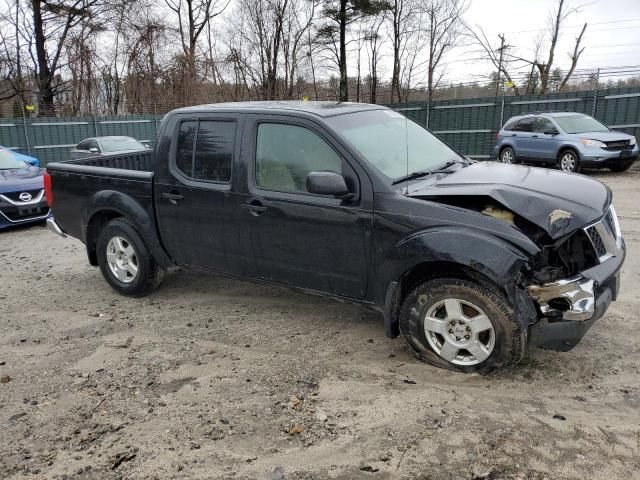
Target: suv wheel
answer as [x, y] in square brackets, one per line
[569, 162]
[125, 262]
[459, 325]
[507, 155]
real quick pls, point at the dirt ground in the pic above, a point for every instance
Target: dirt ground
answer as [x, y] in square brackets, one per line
[216, 378]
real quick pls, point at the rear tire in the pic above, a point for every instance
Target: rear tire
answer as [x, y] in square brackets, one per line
[460, 325]
[508, 156]
[621, 167]
[125, 261]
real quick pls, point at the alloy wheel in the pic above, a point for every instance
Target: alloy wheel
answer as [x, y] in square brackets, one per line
[122, 259]
[459, 332]
[568, 162]
[507, 156]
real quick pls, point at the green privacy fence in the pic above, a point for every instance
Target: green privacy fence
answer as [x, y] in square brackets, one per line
[469, 125]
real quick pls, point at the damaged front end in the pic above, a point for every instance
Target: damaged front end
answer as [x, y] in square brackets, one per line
[572, 279]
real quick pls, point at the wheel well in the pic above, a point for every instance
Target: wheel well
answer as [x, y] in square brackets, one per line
[95, 226]
[567, 148]
[431, 270]
[502, 150]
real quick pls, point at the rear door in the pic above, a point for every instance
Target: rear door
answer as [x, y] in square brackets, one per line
[543, 145]
[306, 240]
[523, 141]
[194, 200]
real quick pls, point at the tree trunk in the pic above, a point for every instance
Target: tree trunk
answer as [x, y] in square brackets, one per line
[344, 87]
[45, 90]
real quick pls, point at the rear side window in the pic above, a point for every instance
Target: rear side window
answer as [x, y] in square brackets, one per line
[285, 154]
[510, 126]
[205, 150]
[524, 125]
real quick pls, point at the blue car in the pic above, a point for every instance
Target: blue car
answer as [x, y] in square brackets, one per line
[30, 160]
[22, 198]
[567, 140]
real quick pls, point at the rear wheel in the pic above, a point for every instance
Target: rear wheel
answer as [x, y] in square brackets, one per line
[459, 325]
[569, 161]
[125, 261]
[507, 155]
[621, 167]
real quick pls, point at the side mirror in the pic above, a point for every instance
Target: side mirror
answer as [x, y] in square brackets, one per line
[93, 150]
[328, 183]
[551, 131]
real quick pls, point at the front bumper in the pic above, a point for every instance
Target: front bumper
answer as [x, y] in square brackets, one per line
[601, 158]
[569, 308]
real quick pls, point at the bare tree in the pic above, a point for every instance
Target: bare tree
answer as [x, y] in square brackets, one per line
[339, 15]
[193, 16]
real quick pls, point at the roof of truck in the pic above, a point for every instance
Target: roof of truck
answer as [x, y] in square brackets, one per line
[321, 109]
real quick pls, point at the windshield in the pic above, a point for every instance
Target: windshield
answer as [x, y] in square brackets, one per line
[580, 124]
[8, 161]
[119, 144]
[393, 144]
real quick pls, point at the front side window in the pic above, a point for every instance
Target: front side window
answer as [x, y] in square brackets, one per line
[205, 149]
[542, 125]
[580, 124]
[392, 143]
[285, 154]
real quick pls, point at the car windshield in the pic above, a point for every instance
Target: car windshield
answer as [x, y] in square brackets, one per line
[392, 143]
[120, 143]
[8, 161]
[580, 124]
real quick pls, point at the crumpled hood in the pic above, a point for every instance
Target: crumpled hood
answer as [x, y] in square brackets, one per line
[557, 202]
[20, 179]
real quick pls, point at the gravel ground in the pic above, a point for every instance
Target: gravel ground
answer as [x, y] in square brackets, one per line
[216, 378]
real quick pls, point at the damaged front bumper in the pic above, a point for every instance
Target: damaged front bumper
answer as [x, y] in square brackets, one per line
[570, 307]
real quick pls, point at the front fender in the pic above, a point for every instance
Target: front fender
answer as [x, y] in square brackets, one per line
[472, 250]
[115, 202]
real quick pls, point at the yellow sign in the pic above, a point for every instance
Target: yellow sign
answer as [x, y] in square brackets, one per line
[29, 108]
[508, 84]
[305, 99]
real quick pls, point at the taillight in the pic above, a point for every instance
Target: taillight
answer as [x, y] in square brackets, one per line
[48, 192]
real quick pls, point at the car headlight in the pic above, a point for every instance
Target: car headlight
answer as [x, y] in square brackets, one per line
[592, 143]
[632, 141]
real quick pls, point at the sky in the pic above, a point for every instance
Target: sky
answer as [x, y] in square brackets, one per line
[612, 38]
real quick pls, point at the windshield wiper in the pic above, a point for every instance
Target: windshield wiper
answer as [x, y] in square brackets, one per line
[423, 173]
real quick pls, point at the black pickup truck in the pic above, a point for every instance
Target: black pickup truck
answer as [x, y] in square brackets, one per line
[470, 262]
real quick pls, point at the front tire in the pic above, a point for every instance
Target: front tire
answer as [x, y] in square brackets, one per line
[460, 325]
[125, 261]
[569, 162]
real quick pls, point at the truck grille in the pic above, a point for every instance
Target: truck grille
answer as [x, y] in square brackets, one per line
[605, 236]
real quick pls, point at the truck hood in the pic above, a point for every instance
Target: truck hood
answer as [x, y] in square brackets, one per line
[557, 202]
[21, 179]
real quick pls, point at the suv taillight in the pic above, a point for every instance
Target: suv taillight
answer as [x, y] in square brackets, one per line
[47, 189]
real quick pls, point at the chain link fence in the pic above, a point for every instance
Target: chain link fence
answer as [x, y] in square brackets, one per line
[469, 125]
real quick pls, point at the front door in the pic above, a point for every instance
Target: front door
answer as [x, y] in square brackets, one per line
[298, 238]
[194, 199]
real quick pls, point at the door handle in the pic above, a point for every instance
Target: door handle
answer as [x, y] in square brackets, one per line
[534, 136]
[255, 208]
[514, 135]
[173, 198]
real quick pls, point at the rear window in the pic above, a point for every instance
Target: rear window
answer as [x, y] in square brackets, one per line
[205, 150]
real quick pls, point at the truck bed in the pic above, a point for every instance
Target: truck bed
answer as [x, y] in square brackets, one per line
[138, 161]
[79, 186]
